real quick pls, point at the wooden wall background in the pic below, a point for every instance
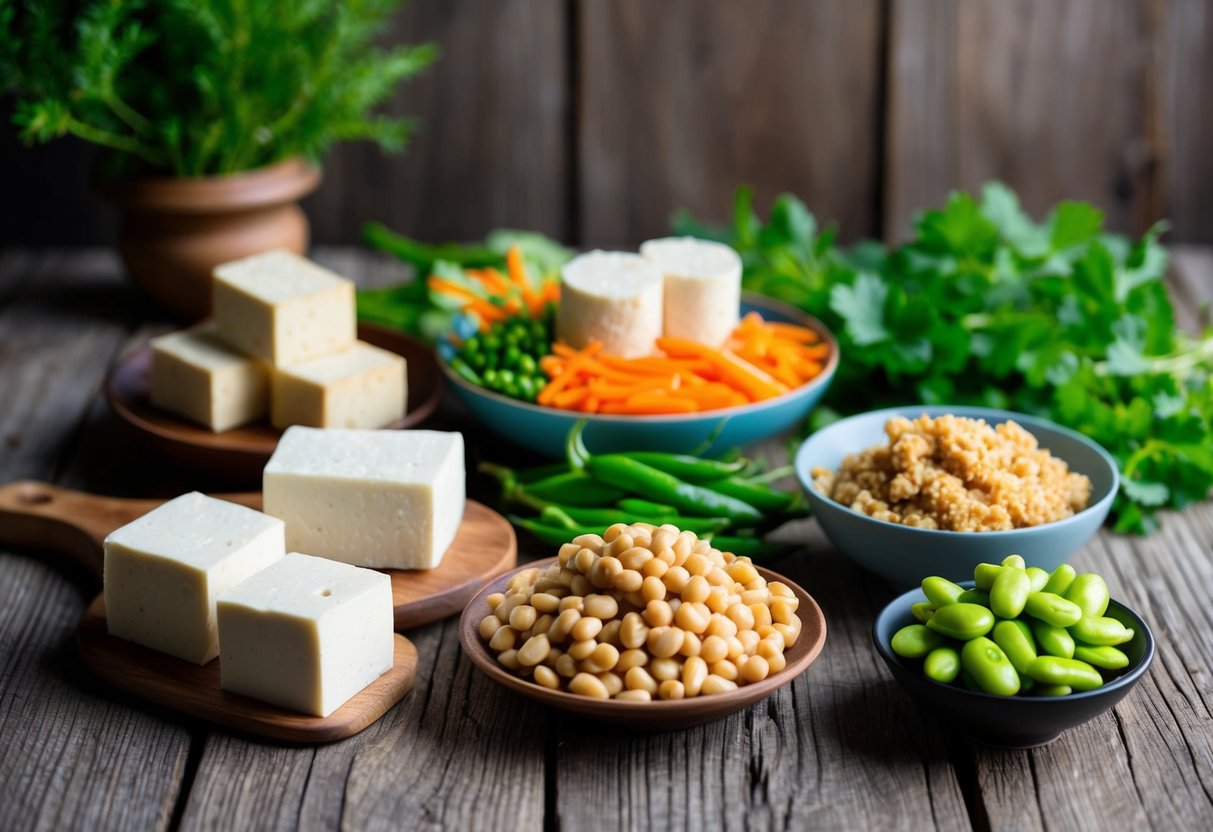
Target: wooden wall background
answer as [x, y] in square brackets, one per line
[594, 120]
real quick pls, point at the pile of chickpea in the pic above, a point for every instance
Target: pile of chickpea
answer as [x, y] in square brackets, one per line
[642, 612]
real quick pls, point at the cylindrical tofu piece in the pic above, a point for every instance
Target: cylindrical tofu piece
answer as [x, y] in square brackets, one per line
[702, 287]
[613, 297]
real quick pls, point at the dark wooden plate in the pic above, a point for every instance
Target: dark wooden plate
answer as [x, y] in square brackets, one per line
[194, 690]
[241, 453]
[38, 515]
[659, 715]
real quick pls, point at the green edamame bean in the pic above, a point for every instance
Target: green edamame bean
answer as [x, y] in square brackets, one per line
[1100, 631]
[914, 641]
[1015, 562]
[990, 667]
[985, 574]
[922, 611]
[1056, 641]
[1052, 670]
[1060, 580]
[942, 664]
[1010, 593]
[1109, 658]
[1090, 593]
[962, 621]
[1015, 639]
[1053, 690]
[1052, 609]
[1038, 576]
[1026, 683]
[974, 596]
[966, 679]
[941, 591]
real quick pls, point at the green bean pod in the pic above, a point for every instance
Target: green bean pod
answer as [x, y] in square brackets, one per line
[1089, 593]
[914, 641]
[942, 664]
[1010, 593]
[1015, 639]
[962, 621]
[1107, 657]
[1060, 580]
[985, 574]
[923, 611]
[1100, 631]
[1055, 641]
[990, 667]
[974, 596]
[1038, 576]
[941, 591]
[1052, 609]
[1052, 670]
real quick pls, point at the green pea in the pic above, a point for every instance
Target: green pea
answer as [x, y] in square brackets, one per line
[962, 621]
[1053, 690]
[1055, 641]
[1090, 593]
[1107, 657]
[990, 667]
[1100, 631]
[922, 611]
[506, 376]
[1052, 608]
[1053, 670]
[512, 356]
[974, 596]
[1060, 580]
[1015, 562]
[914, 641]
[1010, 593]
[942, 664]
[984, 575]
[941, 591]
[526, 364]
[1015, 639]
[491, 378]
[1038, 576]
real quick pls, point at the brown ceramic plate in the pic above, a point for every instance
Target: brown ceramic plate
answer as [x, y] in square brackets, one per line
[646, 716]
[241, 453]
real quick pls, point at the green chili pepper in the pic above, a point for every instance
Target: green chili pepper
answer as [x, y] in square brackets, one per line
[755, 494]
[574, 488]
[628, 474]
[690, 468]
[644, 508]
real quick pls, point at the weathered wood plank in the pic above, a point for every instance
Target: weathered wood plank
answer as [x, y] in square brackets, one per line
[681, 101]
[1182, 84]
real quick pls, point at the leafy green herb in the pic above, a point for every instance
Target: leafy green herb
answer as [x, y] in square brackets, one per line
[985, 306]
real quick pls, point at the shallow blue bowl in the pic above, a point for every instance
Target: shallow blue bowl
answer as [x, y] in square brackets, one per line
[904, 554]
[1010, 721]
[543, 429]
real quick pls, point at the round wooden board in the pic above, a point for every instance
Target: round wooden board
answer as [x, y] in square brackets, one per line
[241, 453]
[661, 715]
[194, 690]
[38, 515]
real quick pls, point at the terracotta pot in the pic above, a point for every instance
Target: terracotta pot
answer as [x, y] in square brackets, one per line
[175, 231]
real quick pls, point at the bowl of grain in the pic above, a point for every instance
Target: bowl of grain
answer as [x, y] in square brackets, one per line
[914, 491]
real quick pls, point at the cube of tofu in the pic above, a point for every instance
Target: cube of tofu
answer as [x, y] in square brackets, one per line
[380, 498]
[702, 287]
[307, 633]
[362, 387]
[164, 571]
[283, 308]
[196, 374]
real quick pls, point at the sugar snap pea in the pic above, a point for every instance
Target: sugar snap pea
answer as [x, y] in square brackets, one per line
[1060, 580]
[941, 591]
[1053, 609]
[1090, 593]
[942, 664]
[990, 667]
[914, 641]
[1010, 592]
[962, 621]
[1107, 657]
[1053, 670]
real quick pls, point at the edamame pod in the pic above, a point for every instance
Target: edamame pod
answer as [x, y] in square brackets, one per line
[1053, 690]
[914, 641]
[1010, 593]
[1052, 609]
[1109, 658]
[1060, 580]
[1089, 593]
[1015, 562]
[1038, 576]
[1055, 641]
[942, 664]
[990, 667]
[1016, 641]
[1052, 670]
[922, 611]
[941, 591]
[1100, 631]
[962, 621]
[985, 574]
[974, 596]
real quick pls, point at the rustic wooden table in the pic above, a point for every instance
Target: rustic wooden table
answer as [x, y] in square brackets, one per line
[843, 747]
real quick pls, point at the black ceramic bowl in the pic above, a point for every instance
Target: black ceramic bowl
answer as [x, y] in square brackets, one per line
[1010, 721]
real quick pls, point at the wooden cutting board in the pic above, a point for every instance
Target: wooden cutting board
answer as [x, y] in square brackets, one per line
[37, 515]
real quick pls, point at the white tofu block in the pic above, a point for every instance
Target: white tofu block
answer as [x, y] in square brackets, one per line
[307, 633]
[613, 297]
[164, 571]
[390, 499]
[362, 387]
[195, 374]
[283, 308]
[702, 287]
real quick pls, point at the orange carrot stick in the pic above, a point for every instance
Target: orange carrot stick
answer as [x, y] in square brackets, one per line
[569, 374]
[751, 380]
[650, 404]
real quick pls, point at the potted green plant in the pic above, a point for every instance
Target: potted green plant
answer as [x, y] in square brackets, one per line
[213, 115]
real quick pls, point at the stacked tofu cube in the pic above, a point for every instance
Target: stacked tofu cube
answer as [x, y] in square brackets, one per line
[282, 343]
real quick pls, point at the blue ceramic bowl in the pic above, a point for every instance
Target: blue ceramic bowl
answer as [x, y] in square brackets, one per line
[543, 429]
[905, 554]
[1010, 721]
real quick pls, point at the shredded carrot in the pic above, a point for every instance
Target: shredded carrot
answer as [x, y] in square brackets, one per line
[569, 373]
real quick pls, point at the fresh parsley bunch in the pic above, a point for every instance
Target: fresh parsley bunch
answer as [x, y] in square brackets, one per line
[985, 306]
